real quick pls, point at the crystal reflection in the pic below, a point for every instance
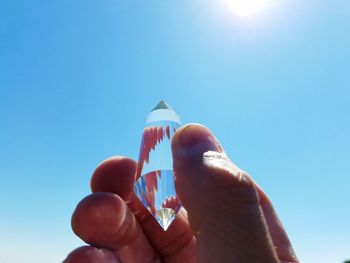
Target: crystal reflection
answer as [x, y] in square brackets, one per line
[164, 204]
[155, 183]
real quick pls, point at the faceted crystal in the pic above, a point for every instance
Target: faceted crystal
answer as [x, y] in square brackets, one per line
[155, 177]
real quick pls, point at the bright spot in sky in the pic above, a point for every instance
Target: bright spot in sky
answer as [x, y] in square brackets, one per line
[246, 7]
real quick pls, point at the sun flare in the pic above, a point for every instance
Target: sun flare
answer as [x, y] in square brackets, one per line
[246, 7]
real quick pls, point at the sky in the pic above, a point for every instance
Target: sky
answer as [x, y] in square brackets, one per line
[78, 78]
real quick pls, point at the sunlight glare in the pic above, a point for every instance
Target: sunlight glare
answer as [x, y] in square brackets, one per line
[246, 7]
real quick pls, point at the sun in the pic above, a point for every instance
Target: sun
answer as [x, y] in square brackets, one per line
[246, 7]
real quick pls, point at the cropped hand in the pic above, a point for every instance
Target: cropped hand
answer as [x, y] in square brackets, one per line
[226, 216]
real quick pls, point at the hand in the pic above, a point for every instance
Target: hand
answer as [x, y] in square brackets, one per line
[226, 216]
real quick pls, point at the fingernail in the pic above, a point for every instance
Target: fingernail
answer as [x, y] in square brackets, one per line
[195, 139]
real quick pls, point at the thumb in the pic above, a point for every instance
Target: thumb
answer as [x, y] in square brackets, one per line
[221, 200]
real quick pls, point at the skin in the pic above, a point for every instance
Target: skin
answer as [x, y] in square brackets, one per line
[226, 216]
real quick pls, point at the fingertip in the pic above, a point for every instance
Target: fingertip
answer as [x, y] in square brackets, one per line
[116, 175]
[88, 254]
[191, 141]
[104, 220]
[191, 134]
[98, 218]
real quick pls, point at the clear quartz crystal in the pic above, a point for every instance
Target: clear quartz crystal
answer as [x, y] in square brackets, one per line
[155, 177]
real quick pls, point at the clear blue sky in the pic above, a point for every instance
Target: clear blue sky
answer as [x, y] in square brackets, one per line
[77, 79]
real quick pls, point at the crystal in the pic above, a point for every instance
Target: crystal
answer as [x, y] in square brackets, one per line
[155, 176]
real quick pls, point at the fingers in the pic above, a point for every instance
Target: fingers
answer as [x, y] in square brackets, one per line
[116, 175]
[221, 201]
[104, 220]
[88, 254]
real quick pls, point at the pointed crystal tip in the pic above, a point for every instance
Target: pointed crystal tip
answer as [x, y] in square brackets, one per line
[162, 112]
[165, 216]
[162, 105]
